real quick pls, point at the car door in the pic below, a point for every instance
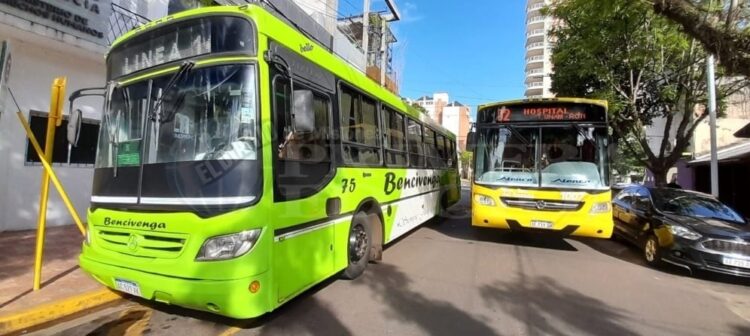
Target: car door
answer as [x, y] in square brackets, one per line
[641, 214]
[621, 211]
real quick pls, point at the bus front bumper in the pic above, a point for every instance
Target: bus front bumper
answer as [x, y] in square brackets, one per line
[565, 224]
[230, 298]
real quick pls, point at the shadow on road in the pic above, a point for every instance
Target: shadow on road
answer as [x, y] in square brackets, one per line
[434, 317]
[537, 300]
[628, 252]
[547, 307]
[741, 330]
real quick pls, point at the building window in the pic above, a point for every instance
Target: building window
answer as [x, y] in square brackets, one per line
[83, 155]
[359, 129]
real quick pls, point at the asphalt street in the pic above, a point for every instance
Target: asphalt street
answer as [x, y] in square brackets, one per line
[447, 278]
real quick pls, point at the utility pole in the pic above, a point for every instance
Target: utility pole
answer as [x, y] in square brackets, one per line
[366, 31]
[712, 125]
[383, 50]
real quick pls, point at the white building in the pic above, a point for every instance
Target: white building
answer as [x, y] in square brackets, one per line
[454, 116]
[43, 47]
[538, 50]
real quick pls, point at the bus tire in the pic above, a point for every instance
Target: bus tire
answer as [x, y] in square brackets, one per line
[358, 246]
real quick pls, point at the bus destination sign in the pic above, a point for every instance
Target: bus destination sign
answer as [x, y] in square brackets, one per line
[543, 113]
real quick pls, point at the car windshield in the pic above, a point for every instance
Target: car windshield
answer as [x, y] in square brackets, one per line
[688, 204]
[549, 157]
[209, 114]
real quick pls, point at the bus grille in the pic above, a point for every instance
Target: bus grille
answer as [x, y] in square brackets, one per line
[541, 205]
[727, 247]
[153, 245]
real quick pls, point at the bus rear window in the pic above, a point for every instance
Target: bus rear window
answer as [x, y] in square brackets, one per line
[181, 40]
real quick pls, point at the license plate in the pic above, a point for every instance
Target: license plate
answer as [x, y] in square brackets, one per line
[127, 287]
[537, 224]
[736, 262]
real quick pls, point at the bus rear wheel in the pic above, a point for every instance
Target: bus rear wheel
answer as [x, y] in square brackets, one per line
[359, 244]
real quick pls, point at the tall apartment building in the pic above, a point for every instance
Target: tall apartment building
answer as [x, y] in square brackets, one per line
[538, 51]
[454, 116]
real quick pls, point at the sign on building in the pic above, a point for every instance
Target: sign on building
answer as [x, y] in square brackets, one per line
[85, 19]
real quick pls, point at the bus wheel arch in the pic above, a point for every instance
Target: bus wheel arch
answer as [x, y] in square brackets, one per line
[371, 207]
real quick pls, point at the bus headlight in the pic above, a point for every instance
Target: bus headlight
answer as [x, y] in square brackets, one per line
[484, 200]
[228, 246]
[600, 207]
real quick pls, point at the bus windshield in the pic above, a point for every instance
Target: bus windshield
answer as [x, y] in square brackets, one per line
[208, 114]
[564, 157]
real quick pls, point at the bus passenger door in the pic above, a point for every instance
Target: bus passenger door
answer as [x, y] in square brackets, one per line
[302, 167]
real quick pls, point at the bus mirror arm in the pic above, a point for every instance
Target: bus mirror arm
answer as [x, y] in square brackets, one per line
[74, 122]
[471, 139]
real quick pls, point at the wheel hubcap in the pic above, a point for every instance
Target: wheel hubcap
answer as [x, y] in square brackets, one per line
[650, 250]
[357, 243]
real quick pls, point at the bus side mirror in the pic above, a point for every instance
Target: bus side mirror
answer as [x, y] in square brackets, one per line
[74, 127]
[471, 141]
[303, 114]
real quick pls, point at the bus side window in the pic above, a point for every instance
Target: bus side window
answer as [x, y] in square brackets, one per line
[359, 129]
[416, 150]
[302, 160]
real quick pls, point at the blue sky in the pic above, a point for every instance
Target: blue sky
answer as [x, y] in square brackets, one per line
[473, 50]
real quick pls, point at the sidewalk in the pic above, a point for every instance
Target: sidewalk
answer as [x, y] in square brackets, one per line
[62, 279]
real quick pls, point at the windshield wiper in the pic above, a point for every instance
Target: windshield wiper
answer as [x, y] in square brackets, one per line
[184, 69]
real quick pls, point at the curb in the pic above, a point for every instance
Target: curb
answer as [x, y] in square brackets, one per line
[55, 310]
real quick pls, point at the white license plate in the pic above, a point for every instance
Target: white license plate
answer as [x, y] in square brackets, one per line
[736, 262]
[537, 224]
[127, 287]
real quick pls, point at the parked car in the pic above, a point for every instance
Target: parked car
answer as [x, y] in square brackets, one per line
[685, 228]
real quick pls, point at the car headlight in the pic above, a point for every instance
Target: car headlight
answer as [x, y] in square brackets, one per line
[228, 246]
[600, 207]
[681, 231]
[484, 200]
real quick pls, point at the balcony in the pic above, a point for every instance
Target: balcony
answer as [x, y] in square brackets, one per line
[535, 72]
[535, 7]
[121, 21]
[535, 45]
[536, 19]
[535, 85]
[536, 32]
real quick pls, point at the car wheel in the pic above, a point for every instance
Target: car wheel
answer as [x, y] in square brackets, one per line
[359, 243]
[651, 251]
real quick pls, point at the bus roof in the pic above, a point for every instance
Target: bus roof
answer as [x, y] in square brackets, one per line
[291, 38]
[598, 102]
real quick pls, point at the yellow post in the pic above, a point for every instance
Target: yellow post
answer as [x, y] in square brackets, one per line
[53, 121]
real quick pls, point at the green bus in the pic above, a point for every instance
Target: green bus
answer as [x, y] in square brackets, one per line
[241, 162]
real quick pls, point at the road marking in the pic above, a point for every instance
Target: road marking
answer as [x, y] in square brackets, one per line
[231, 331]
[55, 310]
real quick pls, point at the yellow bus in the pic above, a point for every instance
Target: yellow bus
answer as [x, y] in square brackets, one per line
[542, 165]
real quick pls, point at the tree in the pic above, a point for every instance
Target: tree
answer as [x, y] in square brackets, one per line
[719, 25]
[419, 108]
[466, 159]
[643, 65]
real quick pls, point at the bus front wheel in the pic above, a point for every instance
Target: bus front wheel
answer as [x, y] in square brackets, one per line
[359, 243]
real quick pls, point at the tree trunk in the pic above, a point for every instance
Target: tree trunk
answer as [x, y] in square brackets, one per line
[660, 177]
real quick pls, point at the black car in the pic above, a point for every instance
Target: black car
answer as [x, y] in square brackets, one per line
[688, 229]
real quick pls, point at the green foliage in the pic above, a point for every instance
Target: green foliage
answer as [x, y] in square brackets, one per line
[640, 62]
[419, 108]
[466, 158]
